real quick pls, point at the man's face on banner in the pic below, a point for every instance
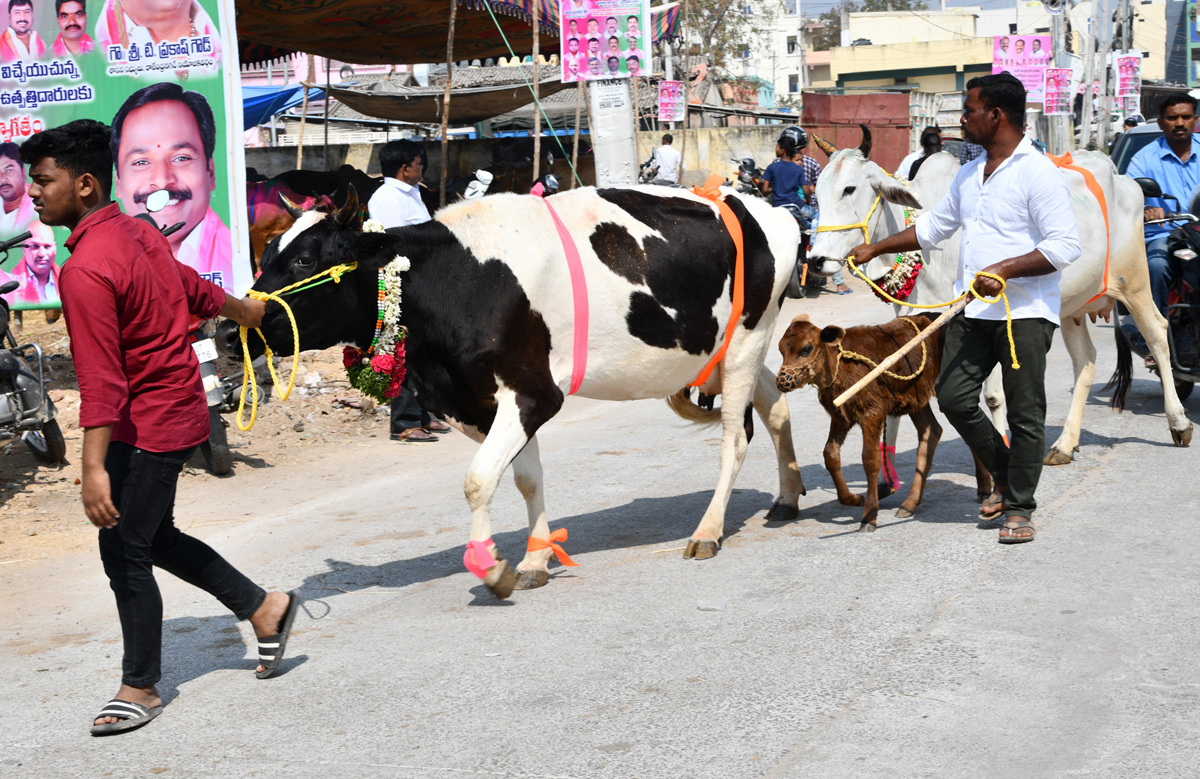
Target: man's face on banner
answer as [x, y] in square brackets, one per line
[610, 26]
[593, 27]
[72, 19]
[614, 44]
[593, 46]
[594, 66]
[573, 27]
[1037, 46]
[161, 148]
[20, 18]
[1004, 44]
[631, 24]
[1020, 48]
[12, 180]
[40, 251]
[573, 45]
[632, 64]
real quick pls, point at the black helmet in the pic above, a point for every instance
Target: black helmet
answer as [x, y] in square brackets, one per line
[797, 136]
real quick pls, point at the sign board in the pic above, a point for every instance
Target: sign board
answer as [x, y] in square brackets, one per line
[604, 39]
[611, 94]
[169, 86]
[1058, 94]
[670, 101]
[1024, 56]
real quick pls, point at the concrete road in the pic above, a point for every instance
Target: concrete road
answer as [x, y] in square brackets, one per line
[925, 649]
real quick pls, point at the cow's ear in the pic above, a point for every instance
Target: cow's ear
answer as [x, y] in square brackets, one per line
[833, 335]
[801, 318]
[895, 192]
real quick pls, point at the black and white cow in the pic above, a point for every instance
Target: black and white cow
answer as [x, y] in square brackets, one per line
[488, 307]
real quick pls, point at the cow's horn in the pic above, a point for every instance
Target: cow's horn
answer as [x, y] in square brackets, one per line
[824, 145]
[348, 213]
[865, 146]
[291, 207]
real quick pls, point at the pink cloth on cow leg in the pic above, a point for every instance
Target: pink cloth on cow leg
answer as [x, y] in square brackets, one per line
[478, 557]
[888, 454]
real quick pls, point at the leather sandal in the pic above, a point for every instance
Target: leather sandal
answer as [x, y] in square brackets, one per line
[414, 435]
[1013, 524]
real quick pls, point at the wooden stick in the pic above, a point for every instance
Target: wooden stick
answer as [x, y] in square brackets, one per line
[446, 102]
[903, 350]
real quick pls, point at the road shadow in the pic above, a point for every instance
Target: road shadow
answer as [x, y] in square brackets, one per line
[19, 469]
[641, 522]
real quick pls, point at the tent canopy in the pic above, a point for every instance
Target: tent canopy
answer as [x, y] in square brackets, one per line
[368, 32]
[467, 106]
[259, 104]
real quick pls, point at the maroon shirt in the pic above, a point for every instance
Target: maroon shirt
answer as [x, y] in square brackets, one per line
[126, 301]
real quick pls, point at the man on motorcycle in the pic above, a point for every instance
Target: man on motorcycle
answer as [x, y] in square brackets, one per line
[669, 161]
[1174, 162]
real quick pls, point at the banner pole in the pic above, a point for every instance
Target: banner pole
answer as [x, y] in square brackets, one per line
[537, 95]
[446, 101]
[575, 145]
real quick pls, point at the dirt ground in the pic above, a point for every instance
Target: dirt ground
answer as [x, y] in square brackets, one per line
[40, 512]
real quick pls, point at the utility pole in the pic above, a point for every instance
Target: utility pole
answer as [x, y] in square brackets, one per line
[1090, 46]
[803, 40]
[1105, 54]
[1060, 126]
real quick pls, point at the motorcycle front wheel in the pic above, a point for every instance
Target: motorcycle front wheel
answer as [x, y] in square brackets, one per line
[216, 448]
[47, 444]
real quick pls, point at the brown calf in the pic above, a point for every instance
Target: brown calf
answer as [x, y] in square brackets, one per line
[822, 357]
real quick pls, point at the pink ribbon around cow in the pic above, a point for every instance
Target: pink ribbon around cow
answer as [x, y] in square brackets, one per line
[578, 293]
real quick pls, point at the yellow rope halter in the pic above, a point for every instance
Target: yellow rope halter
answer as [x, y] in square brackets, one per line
[865, 226]
[334, 274]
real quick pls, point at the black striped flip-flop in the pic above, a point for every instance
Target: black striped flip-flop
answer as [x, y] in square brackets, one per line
[271, 649]
[133, 716]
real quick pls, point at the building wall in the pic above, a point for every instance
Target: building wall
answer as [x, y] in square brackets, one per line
[712, 150]
[928, 64]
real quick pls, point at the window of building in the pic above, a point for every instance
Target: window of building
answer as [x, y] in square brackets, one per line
[748, 9]
[793, 45]
[744, 51]
[794, 83]
[789, 7]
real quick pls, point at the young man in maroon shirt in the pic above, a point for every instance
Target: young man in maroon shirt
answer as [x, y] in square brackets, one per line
[143, 410]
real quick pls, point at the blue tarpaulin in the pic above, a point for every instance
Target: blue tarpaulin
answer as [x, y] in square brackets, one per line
[259, 104]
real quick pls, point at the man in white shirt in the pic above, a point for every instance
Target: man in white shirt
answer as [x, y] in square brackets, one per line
[669, 161]
[1014, 210]
[397, 204]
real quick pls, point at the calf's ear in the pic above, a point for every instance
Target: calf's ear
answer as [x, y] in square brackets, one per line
[893, 191]
[832, 334]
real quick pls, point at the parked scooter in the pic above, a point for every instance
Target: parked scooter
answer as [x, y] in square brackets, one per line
[748, 175]
[25, 405]
[216, 449]
[1183, 303]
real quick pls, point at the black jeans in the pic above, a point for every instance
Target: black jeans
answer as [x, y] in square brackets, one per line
[972, 349]
[143, 490]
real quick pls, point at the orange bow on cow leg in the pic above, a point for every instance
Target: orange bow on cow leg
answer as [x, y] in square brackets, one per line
[554, 545]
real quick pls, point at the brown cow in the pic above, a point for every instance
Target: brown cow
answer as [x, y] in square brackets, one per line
[270, 217]
[832, 359]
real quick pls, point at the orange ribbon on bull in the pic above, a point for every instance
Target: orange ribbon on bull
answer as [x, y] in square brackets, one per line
[554, 545]
[712, 191]
[1067, 162]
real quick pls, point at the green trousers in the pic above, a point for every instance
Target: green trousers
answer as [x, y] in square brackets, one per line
[972, 349]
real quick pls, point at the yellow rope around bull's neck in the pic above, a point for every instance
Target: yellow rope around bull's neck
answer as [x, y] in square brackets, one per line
[846, 354]
[333, 274]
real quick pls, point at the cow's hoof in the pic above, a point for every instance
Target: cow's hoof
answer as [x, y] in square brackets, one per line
[867, 527]
[531, 580]
[1055, 457]
[505, 581]
[701, 550]
[1184, 438]
[903, 513]
[782, 512]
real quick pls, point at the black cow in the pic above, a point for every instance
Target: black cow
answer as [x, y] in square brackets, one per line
[488, 307]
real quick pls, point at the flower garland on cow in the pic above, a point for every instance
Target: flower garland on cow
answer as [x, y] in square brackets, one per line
[900, 281]
[379, 371]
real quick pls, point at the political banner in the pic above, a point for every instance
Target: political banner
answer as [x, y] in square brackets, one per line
[604, 39]
[1026, 57]
[1058, 95]
[168, 84]
[1128, 68]
[670, 101]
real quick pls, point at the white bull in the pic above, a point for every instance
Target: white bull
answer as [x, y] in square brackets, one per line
[850, 185]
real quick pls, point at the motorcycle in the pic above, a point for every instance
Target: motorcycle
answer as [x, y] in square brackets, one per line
[648, 170]
[25, 404]
[748, 175]
[200, 335]
[1183, 302]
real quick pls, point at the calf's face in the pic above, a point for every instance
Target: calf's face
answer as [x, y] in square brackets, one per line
[809, 354]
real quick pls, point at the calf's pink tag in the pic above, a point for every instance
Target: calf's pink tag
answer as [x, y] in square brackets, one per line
[478, 558]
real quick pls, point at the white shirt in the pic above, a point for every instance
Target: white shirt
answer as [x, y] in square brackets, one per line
[906, 163]
[668, 163]
[1024, 205]
[396, 204]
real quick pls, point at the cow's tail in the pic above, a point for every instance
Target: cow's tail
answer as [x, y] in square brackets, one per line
[683, 405]
[1122, 377]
